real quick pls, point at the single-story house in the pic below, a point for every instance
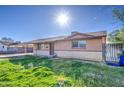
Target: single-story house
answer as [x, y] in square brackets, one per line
[3, 47]
[86, 46]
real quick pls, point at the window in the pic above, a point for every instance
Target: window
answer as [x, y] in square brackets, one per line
[46, 46]
[42, 46]
[79, 44]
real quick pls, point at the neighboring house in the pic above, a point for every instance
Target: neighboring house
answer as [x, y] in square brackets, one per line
[86, 46]
[10, 48]
[3, 47]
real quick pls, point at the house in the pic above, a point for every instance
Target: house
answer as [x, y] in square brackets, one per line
[86, 46]
[3, 47]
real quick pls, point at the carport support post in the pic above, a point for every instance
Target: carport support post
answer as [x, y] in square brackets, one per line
[123, 47]
[25, 48]
[104, 48]
[104, 52]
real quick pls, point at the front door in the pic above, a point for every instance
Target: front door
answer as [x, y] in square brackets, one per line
[51, 51]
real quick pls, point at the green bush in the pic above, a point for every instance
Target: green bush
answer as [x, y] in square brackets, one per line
[15, 75]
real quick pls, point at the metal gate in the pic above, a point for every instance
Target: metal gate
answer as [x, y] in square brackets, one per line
[111, 51]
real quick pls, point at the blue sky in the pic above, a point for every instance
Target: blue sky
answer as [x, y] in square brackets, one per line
[26, 23]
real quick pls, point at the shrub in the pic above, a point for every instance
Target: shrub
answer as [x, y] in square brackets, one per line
[15, 75]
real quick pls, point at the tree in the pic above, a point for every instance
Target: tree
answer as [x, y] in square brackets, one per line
[7, 40]
[118, 35]
[119, 15]
[112, 36]
[17, 42]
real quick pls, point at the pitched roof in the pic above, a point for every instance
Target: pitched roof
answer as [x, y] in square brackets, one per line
[87, 35]
[84, 35]
[51, 39]
[100, 33]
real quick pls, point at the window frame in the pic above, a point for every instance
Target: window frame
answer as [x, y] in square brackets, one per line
[42, 46]
[78, 46]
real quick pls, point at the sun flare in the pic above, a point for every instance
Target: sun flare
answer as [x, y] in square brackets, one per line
[63, 19]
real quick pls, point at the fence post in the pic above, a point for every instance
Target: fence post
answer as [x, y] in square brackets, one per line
[104, 52]
[123, 47]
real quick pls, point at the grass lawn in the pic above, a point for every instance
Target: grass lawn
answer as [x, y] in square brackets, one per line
[37, 71]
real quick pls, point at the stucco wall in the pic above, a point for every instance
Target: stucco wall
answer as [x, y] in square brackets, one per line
[96, 56]
[41, 52]
[93, 50]
[91, 45]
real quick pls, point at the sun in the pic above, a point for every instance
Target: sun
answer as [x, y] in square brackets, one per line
[63, 19]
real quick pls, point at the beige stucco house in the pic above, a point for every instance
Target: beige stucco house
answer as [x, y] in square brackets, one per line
[86, 46]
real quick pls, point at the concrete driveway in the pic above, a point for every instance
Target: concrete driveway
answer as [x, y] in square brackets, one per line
[14, 55]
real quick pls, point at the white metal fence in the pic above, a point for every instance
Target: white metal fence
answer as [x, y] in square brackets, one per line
[112, 51]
